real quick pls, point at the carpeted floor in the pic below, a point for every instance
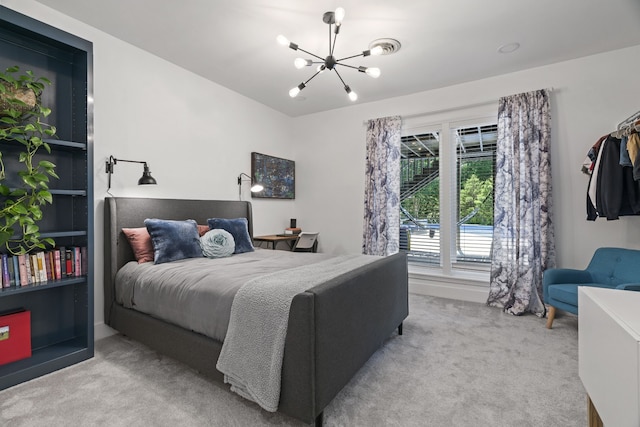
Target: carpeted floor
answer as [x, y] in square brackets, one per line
[457, 364]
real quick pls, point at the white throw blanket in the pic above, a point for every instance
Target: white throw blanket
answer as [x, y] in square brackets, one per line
[252, 353]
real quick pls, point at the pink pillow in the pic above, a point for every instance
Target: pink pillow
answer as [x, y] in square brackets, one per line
[140, 242]
[203, 229]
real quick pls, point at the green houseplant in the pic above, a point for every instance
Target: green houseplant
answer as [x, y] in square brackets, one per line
[21, 123]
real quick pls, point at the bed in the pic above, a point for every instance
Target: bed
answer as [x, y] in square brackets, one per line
[334, 327]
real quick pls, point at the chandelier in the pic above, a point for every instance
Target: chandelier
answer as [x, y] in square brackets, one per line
[334, 20]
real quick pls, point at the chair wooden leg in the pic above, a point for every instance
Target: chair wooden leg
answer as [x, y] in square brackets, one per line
[550, 315]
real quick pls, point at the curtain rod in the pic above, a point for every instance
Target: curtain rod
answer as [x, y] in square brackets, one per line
[446, 110]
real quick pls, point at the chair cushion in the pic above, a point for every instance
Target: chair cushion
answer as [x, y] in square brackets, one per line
[568, 292]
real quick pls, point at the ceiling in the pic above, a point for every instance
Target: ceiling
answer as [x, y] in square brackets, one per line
[444, 42]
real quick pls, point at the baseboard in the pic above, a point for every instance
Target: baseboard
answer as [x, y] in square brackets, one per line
[448, 289]
[100, 330]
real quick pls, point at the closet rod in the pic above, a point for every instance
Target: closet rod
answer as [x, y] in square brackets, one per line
[629, 120]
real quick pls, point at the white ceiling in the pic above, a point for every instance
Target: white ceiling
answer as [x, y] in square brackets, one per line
[444, 42]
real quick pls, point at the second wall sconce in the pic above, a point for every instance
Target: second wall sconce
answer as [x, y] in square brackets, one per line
[255, 186]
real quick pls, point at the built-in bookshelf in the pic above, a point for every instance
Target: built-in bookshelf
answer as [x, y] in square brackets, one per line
[61, 309]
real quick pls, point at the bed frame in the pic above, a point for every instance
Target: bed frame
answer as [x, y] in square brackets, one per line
[333, 328]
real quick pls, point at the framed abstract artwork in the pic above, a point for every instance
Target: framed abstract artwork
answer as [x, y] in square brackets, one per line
[275, 174]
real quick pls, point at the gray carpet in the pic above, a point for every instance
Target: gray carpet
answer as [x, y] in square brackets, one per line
[457, 364]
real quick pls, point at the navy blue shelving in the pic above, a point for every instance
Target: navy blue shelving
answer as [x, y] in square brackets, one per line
[61, 310]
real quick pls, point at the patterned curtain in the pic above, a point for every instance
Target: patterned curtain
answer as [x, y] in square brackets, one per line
[523, 240]
[382, 187]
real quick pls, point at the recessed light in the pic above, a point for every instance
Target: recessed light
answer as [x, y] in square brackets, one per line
[509, 47]
[389, 46]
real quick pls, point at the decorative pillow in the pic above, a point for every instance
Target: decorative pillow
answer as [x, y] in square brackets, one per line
[140, 242]
[239, 229]
[173, 240]
[203, 229]
[217, 243]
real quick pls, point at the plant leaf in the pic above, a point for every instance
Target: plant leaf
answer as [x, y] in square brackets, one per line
[45, 195]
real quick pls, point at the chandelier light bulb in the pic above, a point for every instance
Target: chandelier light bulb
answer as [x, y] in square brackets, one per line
[282, 40]
[338, 16]
[301, 63]
[296, 90]
[373, 72]
[377, 50]
[321, 68]
[352, 95]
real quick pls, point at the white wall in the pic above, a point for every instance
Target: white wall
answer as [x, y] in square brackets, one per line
[591, 95]
[197, 136]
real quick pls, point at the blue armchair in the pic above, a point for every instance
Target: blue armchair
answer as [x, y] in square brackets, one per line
[613, 268]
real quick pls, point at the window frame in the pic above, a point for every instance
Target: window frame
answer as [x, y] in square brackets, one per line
[444, 123]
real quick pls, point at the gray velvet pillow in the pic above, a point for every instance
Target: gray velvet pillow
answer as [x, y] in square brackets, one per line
[173, 240]
[239, 229]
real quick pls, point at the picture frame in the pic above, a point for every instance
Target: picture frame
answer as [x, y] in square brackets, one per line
[277, 176]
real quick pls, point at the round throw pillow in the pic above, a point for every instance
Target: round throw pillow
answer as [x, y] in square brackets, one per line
[217, 243]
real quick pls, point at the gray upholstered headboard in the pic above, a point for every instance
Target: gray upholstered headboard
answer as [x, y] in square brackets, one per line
[129, 212]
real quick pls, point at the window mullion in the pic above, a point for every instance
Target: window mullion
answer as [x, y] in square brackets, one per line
[447, 182]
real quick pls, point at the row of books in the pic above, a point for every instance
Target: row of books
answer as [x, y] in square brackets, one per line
[43, 266]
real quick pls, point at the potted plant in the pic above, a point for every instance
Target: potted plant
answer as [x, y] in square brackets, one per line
[21, 122]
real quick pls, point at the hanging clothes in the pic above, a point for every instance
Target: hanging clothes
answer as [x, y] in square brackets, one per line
[633, 148]
[612, 190]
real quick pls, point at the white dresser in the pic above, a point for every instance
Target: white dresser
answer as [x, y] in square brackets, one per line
[609, 353]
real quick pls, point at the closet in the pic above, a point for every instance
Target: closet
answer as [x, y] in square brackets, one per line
[613, 166]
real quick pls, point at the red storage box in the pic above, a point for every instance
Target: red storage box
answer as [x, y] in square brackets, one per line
[15, 336]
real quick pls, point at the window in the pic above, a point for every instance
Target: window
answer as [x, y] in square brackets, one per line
[446, 193]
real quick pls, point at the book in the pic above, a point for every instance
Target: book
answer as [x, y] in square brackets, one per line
[12, 278]
[47, 260]
[77, 261]
[24, 280]
[33, 262]
[42, 266]
[63, 262]
[69, 261]
[292, 230]
[56, 255]
[16, 271]
[27, 261]
[6, 282]
[85, 260]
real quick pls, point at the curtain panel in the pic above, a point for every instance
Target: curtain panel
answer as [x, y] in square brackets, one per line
[381, 235]
[523, 236]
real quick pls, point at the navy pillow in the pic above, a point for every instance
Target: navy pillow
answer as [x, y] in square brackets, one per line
[173, 240]
[239, 229]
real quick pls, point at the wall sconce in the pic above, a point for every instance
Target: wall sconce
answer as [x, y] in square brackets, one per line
[255, 186]
[146, 174]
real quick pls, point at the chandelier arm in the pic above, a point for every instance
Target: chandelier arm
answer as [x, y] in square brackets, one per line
[348, 57]
[312, 54]
[332, 48]
[340, 77]
[317, 72]
[350, 66]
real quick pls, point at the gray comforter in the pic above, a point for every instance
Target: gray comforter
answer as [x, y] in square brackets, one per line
[197, 293]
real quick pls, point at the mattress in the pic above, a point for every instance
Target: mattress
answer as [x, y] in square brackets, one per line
[197, 293]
